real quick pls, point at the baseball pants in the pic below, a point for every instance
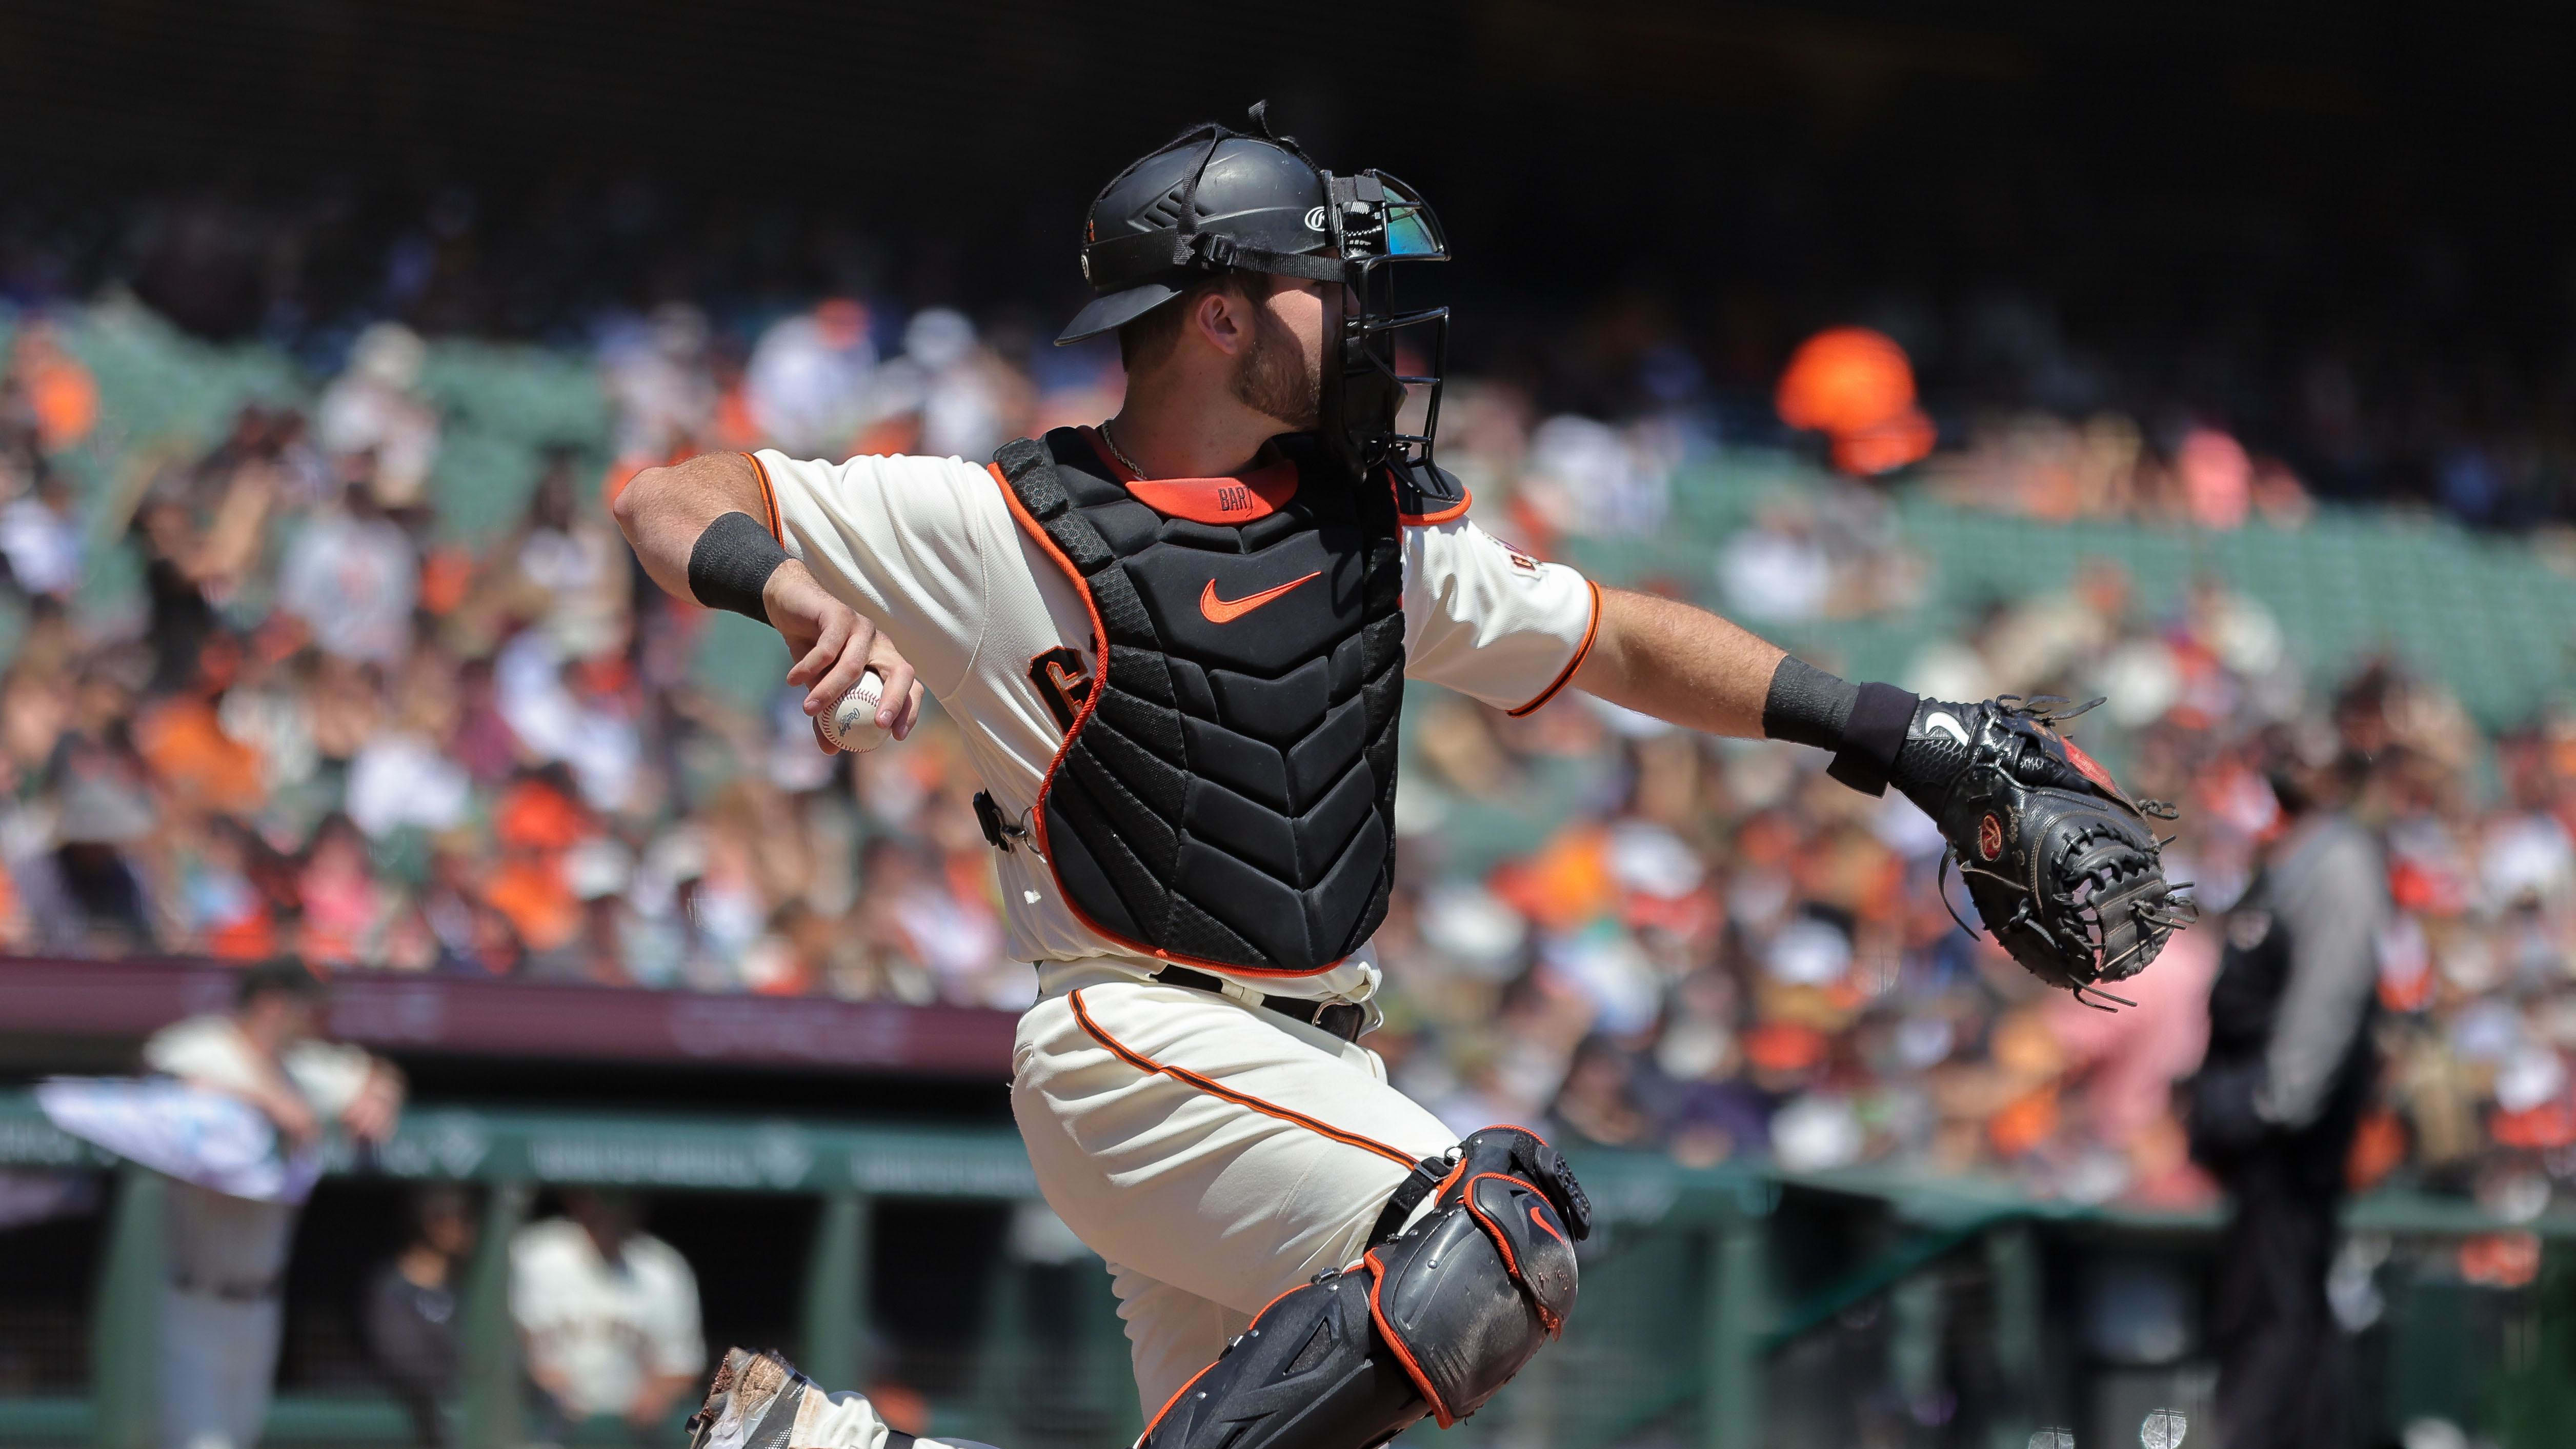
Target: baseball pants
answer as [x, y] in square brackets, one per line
[1216, 1154]
[217, 1361]
[2282, 1371]
[220, 1316]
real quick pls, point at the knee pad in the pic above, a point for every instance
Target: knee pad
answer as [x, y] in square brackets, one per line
[1435, 1321]
[1467, 1295]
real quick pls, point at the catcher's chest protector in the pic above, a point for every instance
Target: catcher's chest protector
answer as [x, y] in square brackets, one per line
[1225, 793]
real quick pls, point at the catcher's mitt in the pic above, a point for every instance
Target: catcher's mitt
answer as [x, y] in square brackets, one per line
[2061, 863]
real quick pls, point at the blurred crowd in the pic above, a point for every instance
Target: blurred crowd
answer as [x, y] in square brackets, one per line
[325, 725]
[334, 727]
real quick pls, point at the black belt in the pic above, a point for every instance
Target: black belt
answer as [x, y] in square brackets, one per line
[229, 1292]
[1339, 1018]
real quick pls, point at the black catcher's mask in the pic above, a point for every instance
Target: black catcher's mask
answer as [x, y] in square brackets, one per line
[1215, 199]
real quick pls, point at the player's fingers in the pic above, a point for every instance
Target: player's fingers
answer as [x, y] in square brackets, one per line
[902, 727]
[821, 743]
[844, 674]
[899, 684]
[819, 659]
[804, 630]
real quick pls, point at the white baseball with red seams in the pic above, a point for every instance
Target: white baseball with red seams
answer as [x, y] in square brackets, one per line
[852, 723]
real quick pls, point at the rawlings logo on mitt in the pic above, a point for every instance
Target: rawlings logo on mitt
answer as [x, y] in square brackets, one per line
[2060, 862]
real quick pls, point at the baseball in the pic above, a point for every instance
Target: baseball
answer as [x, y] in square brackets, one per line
[852, 723]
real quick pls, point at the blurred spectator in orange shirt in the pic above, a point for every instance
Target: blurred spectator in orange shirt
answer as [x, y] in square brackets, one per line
[1856, 387]
[59, 390]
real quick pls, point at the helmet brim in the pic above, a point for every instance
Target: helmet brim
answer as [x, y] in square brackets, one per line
[1115, 310]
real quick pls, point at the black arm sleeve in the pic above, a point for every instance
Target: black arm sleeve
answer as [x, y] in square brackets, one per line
[730, 563]
[1863, 724]
[1806, 705]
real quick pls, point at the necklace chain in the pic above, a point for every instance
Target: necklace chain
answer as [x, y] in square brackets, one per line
[1119, 453]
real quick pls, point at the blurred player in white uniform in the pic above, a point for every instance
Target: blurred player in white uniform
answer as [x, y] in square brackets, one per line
[222, 1312]
[607, 1314]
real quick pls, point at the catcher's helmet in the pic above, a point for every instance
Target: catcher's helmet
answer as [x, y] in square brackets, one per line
[1167, 220]
[1214, 199]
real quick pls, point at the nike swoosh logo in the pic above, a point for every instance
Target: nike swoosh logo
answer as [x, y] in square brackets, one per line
[1940, 719]
[1544, 1228]
[1226, 611]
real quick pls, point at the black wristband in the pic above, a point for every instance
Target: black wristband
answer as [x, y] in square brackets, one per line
[732, 560]
[1806, 705]
[1873, 737]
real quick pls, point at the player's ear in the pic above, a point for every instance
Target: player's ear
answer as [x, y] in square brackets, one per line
[1222, 316]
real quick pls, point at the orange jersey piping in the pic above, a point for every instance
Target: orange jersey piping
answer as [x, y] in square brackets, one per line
[768, 498]
[1183, 1075]
[1582, 651]
[1454, 510]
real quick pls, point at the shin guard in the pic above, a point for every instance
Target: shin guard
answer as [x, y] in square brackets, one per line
[1435, 1321]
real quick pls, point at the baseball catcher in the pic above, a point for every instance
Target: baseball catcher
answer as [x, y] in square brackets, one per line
[1177, 643]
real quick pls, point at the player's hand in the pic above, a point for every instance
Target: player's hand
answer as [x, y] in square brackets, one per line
[378, 1106]
[833, 647]
[294, 1120]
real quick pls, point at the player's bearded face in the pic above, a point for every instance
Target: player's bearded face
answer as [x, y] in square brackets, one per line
[1279, 377]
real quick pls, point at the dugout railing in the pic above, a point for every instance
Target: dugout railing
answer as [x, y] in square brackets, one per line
[1726, 1307]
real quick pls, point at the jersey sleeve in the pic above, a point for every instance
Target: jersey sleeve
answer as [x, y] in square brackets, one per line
[330, 1074]
[676, 1342]
[203, 1049]
[532, 1299]
[903, 540]
[1491, 622]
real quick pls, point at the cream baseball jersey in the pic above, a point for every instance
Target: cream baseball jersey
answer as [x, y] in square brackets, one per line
[928, 550]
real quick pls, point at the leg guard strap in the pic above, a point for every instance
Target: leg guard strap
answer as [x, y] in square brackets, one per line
[1420, 1183]
[1495, 1149]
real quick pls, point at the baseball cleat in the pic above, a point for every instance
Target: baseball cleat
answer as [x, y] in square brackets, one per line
[751, 1402]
